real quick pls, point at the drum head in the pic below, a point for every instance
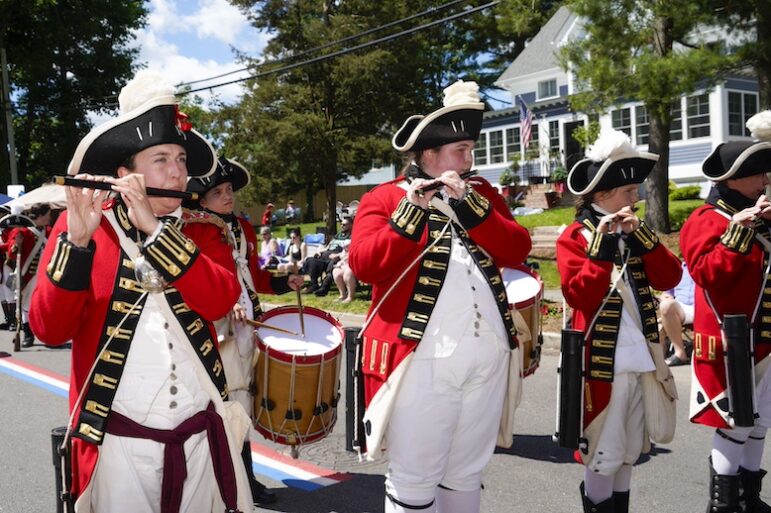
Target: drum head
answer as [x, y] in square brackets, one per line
[522, 285]
[322, 332]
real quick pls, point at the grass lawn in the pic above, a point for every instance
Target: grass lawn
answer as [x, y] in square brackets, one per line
[678, 212]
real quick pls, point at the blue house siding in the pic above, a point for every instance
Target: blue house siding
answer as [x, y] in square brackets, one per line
[563, 90]
[689, 154]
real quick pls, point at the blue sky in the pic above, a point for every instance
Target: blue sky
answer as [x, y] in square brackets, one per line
[194, 39]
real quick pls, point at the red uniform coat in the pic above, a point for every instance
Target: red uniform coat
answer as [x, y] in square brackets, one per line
[28, 244]
[379, 253]
[585, 283]
[733, 281]
[58, 315]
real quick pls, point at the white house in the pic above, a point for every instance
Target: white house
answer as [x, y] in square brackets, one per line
[701, 120]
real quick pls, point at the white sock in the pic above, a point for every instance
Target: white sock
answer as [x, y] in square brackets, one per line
[452, 501]
[753, 449]
[597, 487]
[622, 481]
[392, 507]
[727, 454]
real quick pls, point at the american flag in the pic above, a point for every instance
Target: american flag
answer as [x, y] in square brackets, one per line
[526, 122]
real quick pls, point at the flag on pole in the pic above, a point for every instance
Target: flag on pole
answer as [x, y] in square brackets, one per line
[526, 122]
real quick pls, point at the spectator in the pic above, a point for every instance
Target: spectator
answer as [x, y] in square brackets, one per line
[290, 212]
[676, 306]
[344, 279]
[269, 251]
[295, 254]
[322, 262]
[267, 216]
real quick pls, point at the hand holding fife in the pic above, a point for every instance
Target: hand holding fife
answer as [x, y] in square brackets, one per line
[746, 217]
[625, 219]
[84, 211]
[132, 190]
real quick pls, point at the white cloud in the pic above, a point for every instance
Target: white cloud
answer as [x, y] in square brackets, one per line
[183, 38]
[217, 19]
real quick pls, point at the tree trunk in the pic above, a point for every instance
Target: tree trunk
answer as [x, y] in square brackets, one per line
[330, 186]
[309, 214]
[657, 184]
[660, 119]
[763, 64]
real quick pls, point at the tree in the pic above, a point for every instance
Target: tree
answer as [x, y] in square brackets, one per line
[751, 17]
[314, 125]
[66, 59]
[649, 51]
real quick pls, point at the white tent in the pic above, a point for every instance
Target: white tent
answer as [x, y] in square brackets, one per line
[49, 193]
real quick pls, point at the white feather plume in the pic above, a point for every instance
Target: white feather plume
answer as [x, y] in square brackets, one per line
[461, 93]
[145, 86]
[760, 125]
[17, 209]
[610, 142]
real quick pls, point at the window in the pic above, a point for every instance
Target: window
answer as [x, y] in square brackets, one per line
[496, 147]
[622, 120]
[534, 136]
[547, 89]
[676, 128]
[698, 115]
[554, 135]
[513, 144]
[642, 124]
[741, 107]
[480, 150]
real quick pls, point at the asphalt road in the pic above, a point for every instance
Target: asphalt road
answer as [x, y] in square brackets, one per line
[533, 476]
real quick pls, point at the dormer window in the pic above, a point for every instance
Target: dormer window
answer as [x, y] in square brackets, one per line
[547, 89]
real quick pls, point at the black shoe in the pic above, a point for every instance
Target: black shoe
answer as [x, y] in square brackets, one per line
[323, 291]
[263, 496]
[5, 326]
[310, 289]
[29, 337]
[675, 361]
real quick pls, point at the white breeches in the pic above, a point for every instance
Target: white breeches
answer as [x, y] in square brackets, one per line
[621, 440]
[445, 422]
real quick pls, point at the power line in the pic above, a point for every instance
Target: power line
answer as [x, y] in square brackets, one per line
[344, 51]
[430, 10]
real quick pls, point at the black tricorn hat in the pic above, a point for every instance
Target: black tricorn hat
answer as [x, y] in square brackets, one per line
[612, 162]
[737, 159]
[149, 116]
[459, 120]
[228, 170]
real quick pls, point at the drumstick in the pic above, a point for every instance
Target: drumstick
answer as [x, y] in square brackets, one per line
[258, 324]
[300, 303]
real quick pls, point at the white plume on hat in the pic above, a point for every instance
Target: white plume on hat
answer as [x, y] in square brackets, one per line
[609, 143]
[145, 86]
[17, 209]
[461, 93]
[760, 125]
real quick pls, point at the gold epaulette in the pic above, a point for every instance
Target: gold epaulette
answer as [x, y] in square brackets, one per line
[199, 216]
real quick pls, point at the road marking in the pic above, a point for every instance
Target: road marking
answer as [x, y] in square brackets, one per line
[266, 461]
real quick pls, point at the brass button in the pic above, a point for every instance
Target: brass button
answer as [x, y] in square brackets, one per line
[173, 390]
[173, 404]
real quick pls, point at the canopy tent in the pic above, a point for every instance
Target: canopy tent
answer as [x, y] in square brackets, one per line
[4, 198]
[49, 193]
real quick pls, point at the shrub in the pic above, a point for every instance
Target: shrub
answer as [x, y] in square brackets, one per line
[683, 193]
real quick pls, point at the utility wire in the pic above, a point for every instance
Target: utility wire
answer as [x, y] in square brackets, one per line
[346, 50]
[430, 10]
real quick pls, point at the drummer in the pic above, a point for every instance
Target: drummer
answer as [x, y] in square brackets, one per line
[606, 239]
[236, 336]
[438, 350]
[30, 240]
